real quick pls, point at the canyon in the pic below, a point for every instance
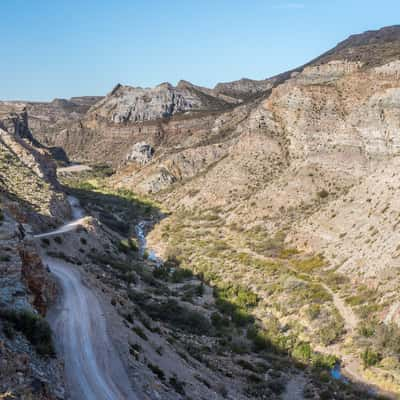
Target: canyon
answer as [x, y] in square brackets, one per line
[239, 242]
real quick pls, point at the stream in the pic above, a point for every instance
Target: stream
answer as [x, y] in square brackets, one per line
[141, 229]
[336, 373]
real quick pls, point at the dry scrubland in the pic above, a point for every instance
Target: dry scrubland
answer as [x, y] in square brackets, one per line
[273, 204]
[214, 319]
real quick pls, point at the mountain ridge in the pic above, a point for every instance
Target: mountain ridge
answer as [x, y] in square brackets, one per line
[271, 204]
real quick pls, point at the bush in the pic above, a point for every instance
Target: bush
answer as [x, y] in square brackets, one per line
[178, 385]
[329, 333]
[157, 371]
[367, 329]
[261, 341]
[369, 358]
[323, 361]
[219, 322]
[139, 331]
[58, 239]
[162, 273]
[127, 245]
[172, 312]
[302, 352]
[8, 330]
[35, 329]
[46, 242]
[323, 194]
[237, 296]
[309, 264]
[181, 274]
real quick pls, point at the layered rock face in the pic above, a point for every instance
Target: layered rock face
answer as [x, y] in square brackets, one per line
[47, 118]
[272, 152]
[316, 156]
[244, 88]
[14, 119]
[130, 104]
[141, 153]
[27, 173]
[321, 127]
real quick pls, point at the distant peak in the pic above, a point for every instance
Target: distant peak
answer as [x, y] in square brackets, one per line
[115, 89]
[183, 84]
[165, 85]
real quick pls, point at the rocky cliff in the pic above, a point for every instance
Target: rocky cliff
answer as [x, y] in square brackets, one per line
[29, 200]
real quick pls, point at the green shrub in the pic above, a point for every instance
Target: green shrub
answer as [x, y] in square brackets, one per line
[302, 352]
[241, 317]
[200, 289]
[139, 331]
[8, 330]
[219, 322]
[157, 371]
[237, 295]
[35, 329]
[259, 338]
[163, 272]
[308, 265]
[331, 332]
[288, 253]
[127, 245]
[181, 274]
[356, 300]
[369, 358]
[323, 361]
[172, 312]
[367, 329]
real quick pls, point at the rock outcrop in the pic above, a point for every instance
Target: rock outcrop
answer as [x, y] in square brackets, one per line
[28, 173]
[134, 104]
[244, 88]
[29, 199]
[141, 153]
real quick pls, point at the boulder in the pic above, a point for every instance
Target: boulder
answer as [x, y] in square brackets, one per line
[141, 152]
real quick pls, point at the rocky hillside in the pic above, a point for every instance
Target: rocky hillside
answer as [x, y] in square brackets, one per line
[47, 118]
[28, 173]
[313, 157]
[29, 200]
[283, 188]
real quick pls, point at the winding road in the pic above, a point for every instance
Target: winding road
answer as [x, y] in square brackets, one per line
[93, 368]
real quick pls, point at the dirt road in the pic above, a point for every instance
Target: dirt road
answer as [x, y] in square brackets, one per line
[93, 368]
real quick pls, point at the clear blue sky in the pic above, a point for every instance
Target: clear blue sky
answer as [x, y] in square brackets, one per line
[64, 48]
